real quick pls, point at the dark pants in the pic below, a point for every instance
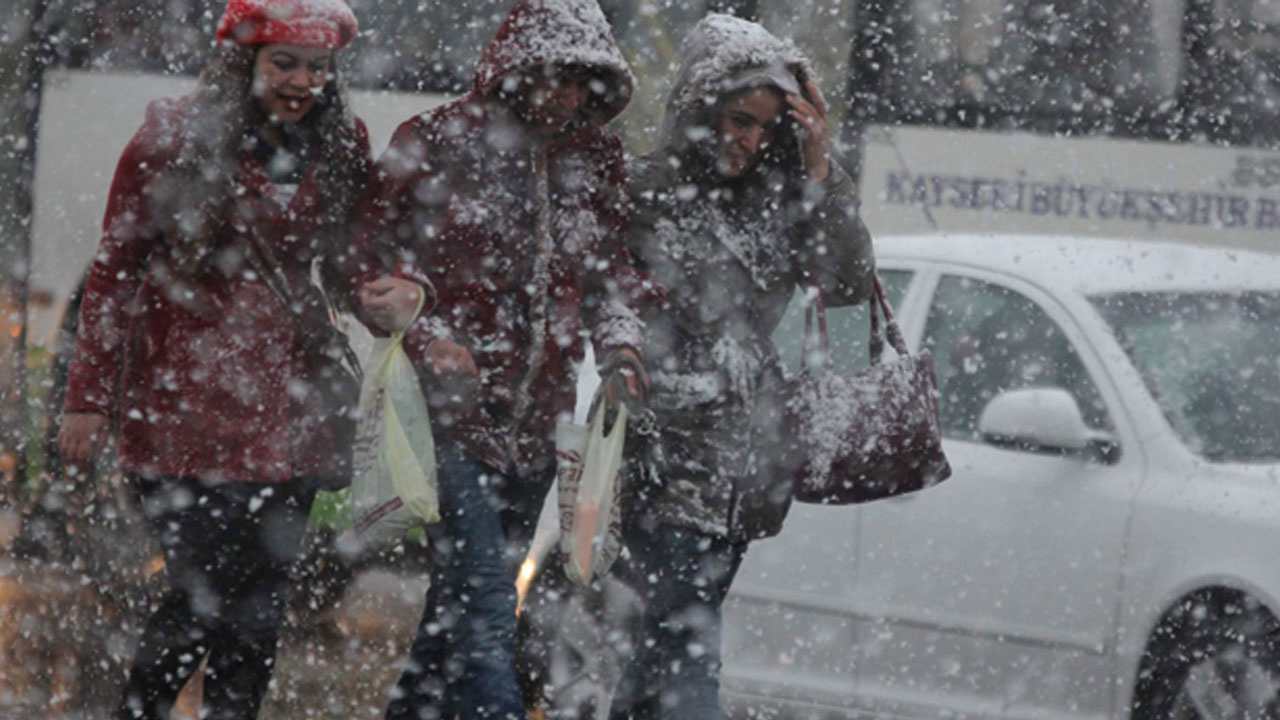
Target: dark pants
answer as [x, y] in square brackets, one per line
[228, 549]
[462, 662]
[674, 671]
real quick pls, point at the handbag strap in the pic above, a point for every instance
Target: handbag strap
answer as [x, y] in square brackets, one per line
[264, 263]
[875, 343]
[540, 303]
[878, 304]
[892, 331]
[823, 338]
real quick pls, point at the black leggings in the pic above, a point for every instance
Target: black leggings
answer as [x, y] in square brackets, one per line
[228, 550]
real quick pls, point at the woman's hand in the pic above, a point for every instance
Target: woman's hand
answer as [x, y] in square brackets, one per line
[812, 118]
[625, 374]
[449, 358]
[391, 303]
[81, 437]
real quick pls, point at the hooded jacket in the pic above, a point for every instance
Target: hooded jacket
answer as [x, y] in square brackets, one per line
[731, 255]
[523, 242]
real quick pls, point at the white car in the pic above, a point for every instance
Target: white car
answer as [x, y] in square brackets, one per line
[1109, 543]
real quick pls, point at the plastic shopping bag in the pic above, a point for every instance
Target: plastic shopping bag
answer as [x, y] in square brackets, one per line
[589, 493]
[394, 483]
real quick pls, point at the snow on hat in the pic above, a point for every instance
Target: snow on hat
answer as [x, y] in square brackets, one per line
[721, 54]
[775, 74]
[320, 23]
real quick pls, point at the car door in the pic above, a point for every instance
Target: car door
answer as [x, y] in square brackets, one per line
[790, 630]
[996, 591]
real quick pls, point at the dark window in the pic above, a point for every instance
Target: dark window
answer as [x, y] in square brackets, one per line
[988, 339]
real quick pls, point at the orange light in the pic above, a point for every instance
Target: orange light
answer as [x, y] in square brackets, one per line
[15, 331]
[527, 570]
[154, 566]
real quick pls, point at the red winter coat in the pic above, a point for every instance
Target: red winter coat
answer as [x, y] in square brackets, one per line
[209, 383]
[457, 193]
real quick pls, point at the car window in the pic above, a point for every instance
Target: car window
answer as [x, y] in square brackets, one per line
[987, 339]
[850, 328]
[1211, 360]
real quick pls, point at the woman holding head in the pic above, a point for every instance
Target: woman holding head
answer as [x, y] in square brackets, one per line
[740, 206]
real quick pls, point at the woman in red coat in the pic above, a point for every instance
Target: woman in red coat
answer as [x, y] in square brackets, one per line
[203, 337]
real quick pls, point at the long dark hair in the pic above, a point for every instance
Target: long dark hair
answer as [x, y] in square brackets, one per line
[197, 199]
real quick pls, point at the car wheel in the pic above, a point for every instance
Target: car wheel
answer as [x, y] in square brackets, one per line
[1215, 656]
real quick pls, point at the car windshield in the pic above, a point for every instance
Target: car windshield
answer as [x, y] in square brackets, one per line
[1212, 361]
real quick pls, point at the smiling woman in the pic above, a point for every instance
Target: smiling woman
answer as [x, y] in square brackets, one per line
[287, 79]
[224, 386]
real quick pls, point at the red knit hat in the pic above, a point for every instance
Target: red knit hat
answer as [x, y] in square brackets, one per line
[320, 23]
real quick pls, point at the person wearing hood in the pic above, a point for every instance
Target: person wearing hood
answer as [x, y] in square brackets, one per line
[512, 198]
[740, 206]
[215, 375]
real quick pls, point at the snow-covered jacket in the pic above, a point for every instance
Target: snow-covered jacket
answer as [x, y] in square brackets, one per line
[730, 256]
[208, 377]
[524, 244]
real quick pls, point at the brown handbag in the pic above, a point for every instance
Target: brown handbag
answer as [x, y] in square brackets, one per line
[872, 434]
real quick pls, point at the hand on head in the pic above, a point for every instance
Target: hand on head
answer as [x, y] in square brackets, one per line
[811, 117]
[749, 122]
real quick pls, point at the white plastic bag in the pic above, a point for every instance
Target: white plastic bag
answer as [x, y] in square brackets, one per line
[589, 493]
[394, 483]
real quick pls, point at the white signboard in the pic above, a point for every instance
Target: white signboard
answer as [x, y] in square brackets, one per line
[86, 119]
[918, 180]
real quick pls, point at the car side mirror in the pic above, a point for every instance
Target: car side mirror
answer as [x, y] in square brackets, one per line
[1045, 420]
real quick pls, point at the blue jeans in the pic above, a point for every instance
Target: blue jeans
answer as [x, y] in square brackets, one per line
[462, 662]
[682, 578]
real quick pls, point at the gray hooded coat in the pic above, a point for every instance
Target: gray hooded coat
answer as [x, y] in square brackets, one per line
[730, 255]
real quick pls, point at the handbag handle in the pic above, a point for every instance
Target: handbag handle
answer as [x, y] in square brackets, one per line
[879, 303]
[823, 338]
[892, 331]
